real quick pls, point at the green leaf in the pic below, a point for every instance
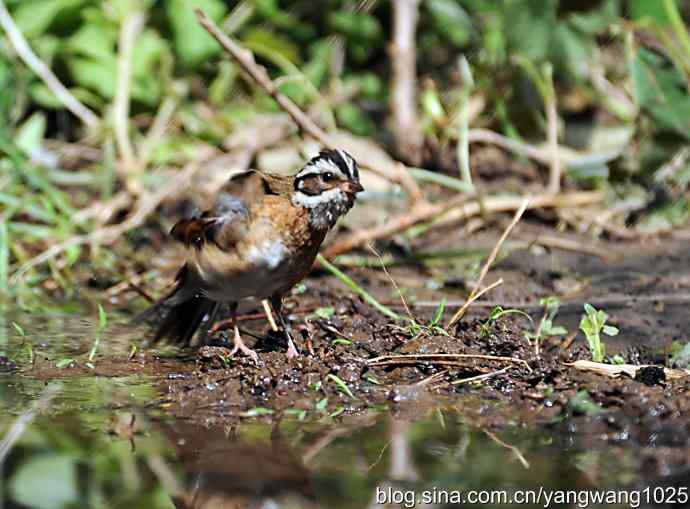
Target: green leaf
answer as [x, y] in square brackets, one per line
[63, 363]
[265, 41]
[321, 405]
[30, 134]
[324, 313]
[660, 90]
[258, 411]
[95, 40]
[45, 481]
[356, 25]
[342, 386]
[680, 356]
[451, 20]
[439, 312]
[34, 18]
[610, 330]
[102, 318]
[192, 44]
[582, 403]
[19, 329]
[97, 75]
[644, 9]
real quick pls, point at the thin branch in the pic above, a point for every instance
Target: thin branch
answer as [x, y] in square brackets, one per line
[439, 357]
[403, 58]
[146, 205]
[245, 58]
[161, 123]
[455, 209]
[512, 448]
[489, 261]
[552, 140]
[130, 28]
[16, 38]
[475, 296]
[19, 425]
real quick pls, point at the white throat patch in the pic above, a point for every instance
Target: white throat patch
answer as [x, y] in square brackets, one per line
[324, 208]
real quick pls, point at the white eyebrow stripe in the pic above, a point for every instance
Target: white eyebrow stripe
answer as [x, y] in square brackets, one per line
[321, 165]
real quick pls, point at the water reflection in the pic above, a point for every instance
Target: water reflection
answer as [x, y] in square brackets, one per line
[117, 461]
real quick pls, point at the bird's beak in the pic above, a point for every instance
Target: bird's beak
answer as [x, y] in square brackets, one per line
[351, 187]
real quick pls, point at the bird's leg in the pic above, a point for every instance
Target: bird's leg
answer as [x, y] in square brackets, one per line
[277, 304]
[238, 344]
[207, 327]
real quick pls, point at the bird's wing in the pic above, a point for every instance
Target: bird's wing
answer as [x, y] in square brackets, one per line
[227, 221]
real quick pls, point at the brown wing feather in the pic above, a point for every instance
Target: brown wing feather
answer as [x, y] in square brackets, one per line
[227, 221]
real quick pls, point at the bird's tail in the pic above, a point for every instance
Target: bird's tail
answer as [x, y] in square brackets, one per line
[178, 315]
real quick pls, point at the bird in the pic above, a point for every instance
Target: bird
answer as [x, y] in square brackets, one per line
[258, 240]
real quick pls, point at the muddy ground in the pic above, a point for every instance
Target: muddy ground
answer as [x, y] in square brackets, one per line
[641, 285]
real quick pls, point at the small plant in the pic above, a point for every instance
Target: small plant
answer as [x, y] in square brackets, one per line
[546, 328]
[340, 384]
[496, 313]
[102, 322]
[593, 323]
[680, 355]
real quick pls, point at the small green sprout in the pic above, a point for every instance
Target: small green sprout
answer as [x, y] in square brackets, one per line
[257, 412]
[322, 313]
[321, 405]
[341, 341]
[583, 404]
[63, 363]
[300, 413]
[593, 323]
[132, 352]
[680, 355]
[546, 328]
[342, 386]
[102, 322]
[19, 329]
[496, 313]
[337, 412]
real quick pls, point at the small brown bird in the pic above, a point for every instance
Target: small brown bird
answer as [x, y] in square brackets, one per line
[258, 240]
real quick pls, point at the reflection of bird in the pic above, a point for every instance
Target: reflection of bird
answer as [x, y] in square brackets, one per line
[258, 240]
[224, 473]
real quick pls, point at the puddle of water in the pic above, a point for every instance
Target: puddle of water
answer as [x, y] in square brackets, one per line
[103, 459]
[102, 441]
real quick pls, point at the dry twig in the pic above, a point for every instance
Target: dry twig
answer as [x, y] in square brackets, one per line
[434, 358]
[512, 448]
[403, 59]
[395, 172]
[455, 209]
[130, 28]
[489, 261]
[16, 38]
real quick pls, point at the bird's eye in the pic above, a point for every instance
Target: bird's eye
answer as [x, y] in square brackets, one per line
[328, 177]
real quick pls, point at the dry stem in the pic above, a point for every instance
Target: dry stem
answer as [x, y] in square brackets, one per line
[552, 139]
[130, 28]
[16, 38]
[403, 59]
[489, 261]
[244, 57]
[433, 357]
[455, 209]
[511, 448]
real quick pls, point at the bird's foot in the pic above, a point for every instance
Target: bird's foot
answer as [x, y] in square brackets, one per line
[292, 352]
[239, 346]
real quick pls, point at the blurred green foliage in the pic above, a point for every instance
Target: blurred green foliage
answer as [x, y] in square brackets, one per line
[620, 68]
